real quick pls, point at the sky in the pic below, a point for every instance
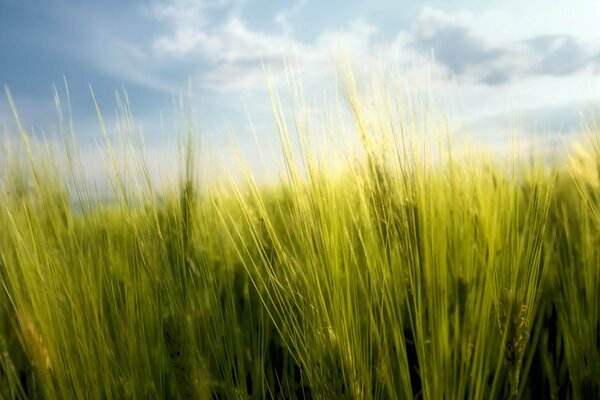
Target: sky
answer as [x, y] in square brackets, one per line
[538, 59]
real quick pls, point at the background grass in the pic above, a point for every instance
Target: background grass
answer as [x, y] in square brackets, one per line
[409, 273]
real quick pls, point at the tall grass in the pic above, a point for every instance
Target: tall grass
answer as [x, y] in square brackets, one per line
[409, 273]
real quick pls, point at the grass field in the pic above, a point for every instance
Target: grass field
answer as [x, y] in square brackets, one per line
[402, 275]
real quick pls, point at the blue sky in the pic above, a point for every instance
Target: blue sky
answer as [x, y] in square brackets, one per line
[541, 58]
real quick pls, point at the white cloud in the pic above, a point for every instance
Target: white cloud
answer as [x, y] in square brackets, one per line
[189, 23]
[231, 56]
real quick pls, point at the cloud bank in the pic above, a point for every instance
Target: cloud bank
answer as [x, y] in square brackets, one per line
[223, 53]
[471, 59]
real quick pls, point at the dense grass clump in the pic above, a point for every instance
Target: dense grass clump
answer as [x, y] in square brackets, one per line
[402, 275]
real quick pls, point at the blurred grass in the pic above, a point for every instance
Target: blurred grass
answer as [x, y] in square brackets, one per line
[410, 273]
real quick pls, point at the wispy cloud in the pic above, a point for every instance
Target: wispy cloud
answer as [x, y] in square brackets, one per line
[283, 18]
[231, 56]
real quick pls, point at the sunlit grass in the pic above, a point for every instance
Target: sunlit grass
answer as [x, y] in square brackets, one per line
[409, 272]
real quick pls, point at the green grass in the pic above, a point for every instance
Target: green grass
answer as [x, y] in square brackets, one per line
[411, 272]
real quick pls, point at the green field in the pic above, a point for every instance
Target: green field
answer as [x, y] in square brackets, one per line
[401, 275]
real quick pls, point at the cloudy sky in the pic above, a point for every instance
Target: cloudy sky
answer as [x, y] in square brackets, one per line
[539, 57]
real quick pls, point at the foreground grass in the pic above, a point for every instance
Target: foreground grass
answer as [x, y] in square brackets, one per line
[401, 277]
